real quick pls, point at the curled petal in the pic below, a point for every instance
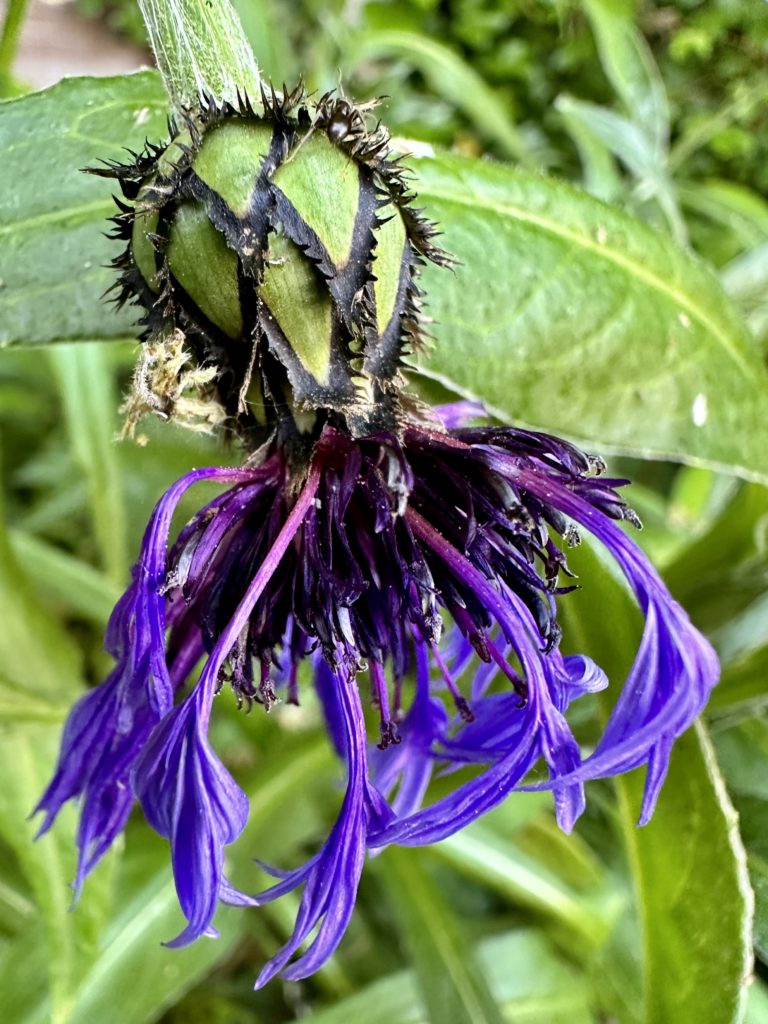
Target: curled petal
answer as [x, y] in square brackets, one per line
[541, 731]
[109, 726]
[331, 877]
[190, 798]
[675, 667]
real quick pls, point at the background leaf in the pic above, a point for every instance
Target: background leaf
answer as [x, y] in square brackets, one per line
[52, 248]
[611, 333]
[453, 987]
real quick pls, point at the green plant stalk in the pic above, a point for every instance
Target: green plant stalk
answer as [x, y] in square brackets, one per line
[9, 40]
[200, 49]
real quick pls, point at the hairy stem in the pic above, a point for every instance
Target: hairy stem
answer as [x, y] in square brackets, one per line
[201, 49]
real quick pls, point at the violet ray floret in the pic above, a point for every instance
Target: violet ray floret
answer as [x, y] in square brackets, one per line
[353, 560]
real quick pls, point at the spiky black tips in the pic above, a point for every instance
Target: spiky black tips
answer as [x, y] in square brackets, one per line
[282, 246]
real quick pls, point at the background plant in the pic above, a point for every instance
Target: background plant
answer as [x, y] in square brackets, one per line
[587, 321]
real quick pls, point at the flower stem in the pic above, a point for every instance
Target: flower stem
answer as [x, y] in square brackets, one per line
[200, 49]
[9, 41]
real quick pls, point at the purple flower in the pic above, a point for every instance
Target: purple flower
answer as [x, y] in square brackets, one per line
[355, 558]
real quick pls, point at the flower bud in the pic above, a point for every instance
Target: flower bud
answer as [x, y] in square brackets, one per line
[275, 255]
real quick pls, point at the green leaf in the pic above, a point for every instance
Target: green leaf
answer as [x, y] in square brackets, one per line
[729, 204]
[629, 64]
[757, 1003]
[589, 323]
[85, 380]
[453, 988]
[28, 756]
[52, 248]
[454, 80]
[70, 583]
[17, 705]
[693, 889]
[743, 752]
[520, 878]
[527, 980]
[36, 654]
[600, 176]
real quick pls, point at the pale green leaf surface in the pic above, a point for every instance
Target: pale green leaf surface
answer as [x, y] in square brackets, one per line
[628, 62]
[589, 323]
[757, 1003]
[52, 248]
[600, 175]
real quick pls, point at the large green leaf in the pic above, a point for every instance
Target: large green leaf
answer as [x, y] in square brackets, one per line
[52, 250]
[690, 858]
[566, 313]
[743, 753]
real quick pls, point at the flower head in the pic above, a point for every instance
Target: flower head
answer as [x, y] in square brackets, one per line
[364, 533]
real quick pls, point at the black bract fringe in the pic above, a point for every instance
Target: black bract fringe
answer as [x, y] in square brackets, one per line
[366, 362]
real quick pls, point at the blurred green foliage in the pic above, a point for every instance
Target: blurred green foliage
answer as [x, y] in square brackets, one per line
[656, 109]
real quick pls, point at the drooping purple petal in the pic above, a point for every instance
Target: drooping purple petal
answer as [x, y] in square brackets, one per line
[541, 729]
[331, 877]
[190, 798]
[673, 672]
[108, 727]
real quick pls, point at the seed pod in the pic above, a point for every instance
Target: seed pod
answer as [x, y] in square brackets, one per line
[275, 256]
